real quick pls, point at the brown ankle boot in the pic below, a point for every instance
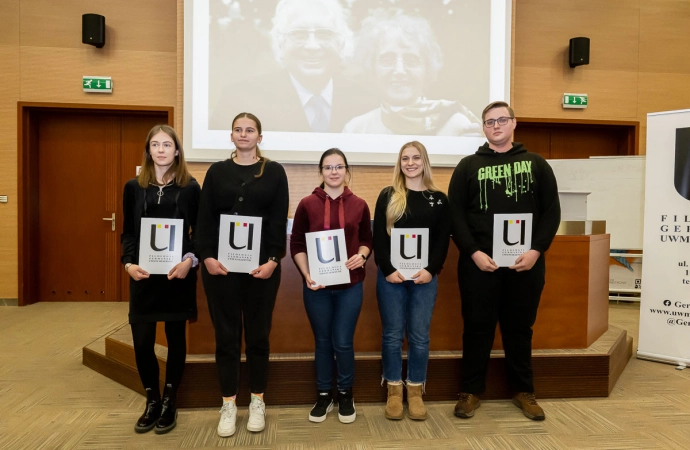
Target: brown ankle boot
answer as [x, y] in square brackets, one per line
[528, 404]
[466, 405]
[415, 405]
[394, 405]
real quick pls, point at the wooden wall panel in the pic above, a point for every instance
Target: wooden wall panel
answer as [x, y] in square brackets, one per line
[539, 90]
[544, 27]
[9, 94]
[638, 61]
[139, 78]
[664, 37]
[9, 22]
[130, 25]
[541, 71]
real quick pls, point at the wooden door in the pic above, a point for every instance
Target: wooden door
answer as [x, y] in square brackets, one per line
[84, 159]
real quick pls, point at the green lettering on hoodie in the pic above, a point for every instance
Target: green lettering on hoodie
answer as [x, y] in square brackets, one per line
[515, 180]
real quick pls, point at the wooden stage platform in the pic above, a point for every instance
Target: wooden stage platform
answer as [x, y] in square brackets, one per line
[590, 372]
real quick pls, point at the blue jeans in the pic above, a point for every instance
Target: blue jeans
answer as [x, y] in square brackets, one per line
[405, 307]
[333, 315]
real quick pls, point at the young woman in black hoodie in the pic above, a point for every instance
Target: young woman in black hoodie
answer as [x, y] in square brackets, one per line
[500, 178]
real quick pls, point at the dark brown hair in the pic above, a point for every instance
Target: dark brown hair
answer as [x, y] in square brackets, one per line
[498, 104]
[257, 122]
[178, 169]
[335, 151]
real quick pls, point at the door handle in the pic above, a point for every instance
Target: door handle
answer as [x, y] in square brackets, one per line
[111, 219]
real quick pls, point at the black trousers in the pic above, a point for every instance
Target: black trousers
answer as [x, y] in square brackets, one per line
[510, 299]
[144, 335]
[237, 301]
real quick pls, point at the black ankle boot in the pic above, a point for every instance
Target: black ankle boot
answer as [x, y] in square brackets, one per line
[168, 417]
[153, 410]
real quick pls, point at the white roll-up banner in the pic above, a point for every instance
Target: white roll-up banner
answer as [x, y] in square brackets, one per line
[665, 307]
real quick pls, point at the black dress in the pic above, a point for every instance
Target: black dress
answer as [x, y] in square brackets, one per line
[158, 299]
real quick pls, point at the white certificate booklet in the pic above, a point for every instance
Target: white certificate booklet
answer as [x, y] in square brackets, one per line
[239, 242]
[160, 244]
[327, 254]
[512, 237]
[409, 250]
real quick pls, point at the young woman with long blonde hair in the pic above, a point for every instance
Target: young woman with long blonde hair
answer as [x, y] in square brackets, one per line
[406, 304]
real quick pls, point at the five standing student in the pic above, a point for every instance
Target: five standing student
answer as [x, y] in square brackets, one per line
[163, 189]
[406, 304]
[247, 184]
[500, 178]
[333, 310]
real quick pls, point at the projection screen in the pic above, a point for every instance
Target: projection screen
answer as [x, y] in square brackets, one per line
[365, 76]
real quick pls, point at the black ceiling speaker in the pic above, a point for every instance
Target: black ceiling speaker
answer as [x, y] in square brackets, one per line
[93, 30]
[579, 51]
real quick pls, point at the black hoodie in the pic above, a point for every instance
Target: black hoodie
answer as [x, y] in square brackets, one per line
[490, 182]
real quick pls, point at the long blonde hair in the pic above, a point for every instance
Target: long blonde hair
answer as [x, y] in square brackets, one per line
[397, 204]
[178, 169]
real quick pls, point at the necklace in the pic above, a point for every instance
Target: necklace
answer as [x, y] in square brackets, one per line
[430, 198]
[160, 192]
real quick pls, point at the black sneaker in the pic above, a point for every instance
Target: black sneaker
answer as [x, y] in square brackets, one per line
[346, 407]
[324, 405]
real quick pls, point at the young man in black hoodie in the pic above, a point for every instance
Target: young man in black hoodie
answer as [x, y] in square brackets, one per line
[500, 178]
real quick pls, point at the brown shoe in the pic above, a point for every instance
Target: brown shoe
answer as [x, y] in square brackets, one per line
[528, 404]
[466, 405]
[415, 405]
[394, 405]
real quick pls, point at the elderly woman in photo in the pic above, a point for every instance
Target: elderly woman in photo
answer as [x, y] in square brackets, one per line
[401, 53]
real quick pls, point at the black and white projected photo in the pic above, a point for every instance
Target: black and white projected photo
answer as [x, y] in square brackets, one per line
[362, 75]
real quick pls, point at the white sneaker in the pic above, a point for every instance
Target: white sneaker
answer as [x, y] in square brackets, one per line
[257, 415]
[228, 418]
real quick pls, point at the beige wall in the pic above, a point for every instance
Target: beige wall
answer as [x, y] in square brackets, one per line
[638, 64]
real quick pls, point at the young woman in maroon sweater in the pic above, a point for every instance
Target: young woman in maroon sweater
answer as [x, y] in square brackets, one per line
[333, 311]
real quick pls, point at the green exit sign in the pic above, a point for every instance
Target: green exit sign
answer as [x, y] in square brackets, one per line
[103, 85]
[575, 100]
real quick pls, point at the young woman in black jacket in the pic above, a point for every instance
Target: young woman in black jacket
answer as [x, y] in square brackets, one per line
[163, 189]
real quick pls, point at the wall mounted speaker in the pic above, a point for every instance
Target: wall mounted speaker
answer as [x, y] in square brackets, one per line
[93, 30]
[579, 51]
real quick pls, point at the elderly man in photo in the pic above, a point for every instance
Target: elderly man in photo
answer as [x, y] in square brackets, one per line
[311, 40]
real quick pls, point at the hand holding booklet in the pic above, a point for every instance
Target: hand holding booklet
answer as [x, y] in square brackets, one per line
[327, 255]
[409, 250]
[160, 244]
[512, 237]
[239, 242]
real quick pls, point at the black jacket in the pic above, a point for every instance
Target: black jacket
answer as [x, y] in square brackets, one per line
[133, 209]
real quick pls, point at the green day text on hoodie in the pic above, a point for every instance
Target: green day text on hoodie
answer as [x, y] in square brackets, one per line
[516, 178]
[512, 182]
